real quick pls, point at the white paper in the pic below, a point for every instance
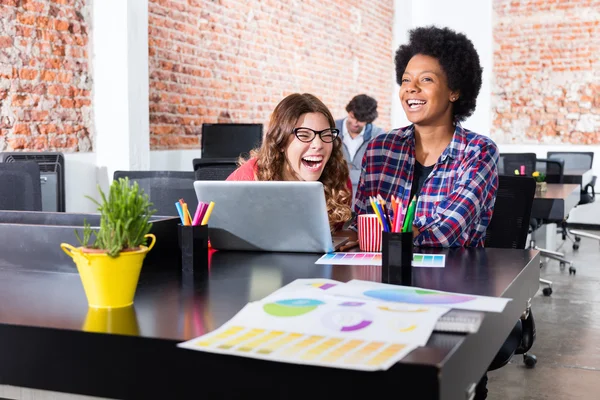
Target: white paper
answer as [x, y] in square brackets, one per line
[312, 310]
[321, 329]
[297, 348]
[368, 290]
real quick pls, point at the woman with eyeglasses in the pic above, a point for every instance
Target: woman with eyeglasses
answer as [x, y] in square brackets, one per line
[302, 144]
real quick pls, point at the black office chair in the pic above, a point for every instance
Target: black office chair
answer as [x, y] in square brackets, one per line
[214, 169]
[20, 186]
[553, 169]
[554, 174]
[578, 160]
[508, 229]
[508, 163]
[165, 188]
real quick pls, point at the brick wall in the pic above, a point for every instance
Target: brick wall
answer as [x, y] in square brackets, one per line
[44, 75]
[546, 85]
[234, 60]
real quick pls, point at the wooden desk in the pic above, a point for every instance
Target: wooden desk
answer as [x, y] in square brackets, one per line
[556, 203]
[578, 176]
[46, 341]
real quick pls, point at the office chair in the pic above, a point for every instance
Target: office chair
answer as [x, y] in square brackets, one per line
[508, 163]
[165, 188]
[578, 161]
[20, 186]
[508, 229]
[554, 174]
[214, 169]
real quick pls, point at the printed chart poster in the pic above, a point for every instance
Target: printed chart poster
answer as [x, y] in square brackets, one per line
[374, 259]
[397, 294]
[303, 326]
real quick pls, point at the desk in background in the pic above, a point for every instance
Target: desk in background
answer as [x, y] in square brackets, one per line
[45, 346]
[556, 203]
[578, 176]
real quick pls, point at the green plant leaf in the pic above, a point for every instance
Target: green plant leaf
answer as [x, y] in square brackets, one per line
[125, 213]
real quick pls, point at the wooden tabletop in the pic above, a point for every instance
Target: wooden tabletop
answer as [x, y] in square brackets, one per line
[558, 191]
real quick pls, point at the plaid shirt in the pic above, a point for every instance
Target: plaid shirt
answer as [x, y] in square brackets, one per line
[456, 201]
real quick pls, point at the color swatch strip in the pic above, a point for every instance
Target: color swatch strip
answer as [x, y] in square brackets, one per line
[298, 348]
[374, 259]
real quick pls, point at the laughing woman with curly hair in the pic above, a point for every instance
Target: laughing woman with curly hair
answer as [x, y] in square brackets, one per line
[302, 144]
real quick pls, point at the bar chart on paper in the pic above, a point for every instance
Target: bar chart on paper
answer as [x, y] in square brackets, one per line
[374, 259]
[301, 348]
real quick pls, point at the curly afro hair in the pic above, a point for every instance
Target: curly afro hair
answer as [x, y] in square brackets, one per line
[457, 57]
[363, 107]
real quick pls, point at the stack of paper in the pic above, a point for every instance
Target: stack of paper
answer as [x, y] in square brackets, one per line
[356, 325]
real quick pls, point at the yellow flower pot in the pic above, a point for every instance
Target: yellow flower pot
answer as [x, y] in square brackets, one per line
[109, 282]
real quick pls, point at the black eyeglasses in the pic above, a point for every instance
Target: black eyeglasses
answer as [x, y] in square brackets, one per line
[307, 135]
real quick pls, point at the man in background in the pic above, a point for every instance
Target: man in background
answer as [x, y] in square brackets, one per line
[356, 131]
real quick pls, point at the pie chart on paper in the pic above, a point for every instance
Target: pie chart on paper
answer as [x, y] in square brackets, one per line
[347, 320]
[291, 307]
[417, 296]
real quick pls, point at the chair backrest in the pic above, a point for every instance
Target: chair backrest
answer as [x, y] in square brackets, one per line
[20, 187]
[553, 169]
[509, 226]
[573, 159]
[509, 162]
[165, 188]
[214, 169]
[230, 140]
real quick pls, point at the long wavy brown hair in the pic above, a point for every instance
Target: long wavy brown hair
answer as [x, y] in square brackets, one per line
[271, 160]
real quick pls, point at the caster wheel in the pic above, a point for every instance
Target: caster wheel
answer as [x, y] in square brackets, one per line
[575, 246]
[572, 270]
[530, 360]
[541, 264]
[577, 239]
[547, 291]
[562, 266]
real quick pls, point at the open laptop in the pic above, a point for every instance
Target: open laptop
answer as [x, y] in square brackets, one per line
[268, 216]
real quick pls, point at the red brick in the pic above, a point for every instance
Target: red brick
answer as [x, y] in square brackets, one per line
[48, 76]
[67, 103]
[21, 129]
[43, 22]
[34, 6]
[61, 25]
[57, 90]
[17, 143]
[26, 19]
[5, 41]
[46, 129]
[28, 74]
[65, 77]
[40, 143]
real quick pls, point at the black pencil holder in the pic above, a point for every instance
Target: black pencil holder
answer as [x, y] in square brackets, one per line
[397, 255]
[193, 243]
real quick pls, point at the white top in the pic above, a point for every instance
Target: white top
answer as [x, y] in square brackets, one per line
[352, 144]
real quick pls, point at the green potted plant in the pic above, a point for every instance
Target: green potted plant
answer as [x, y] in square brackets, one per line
[110, 264]
[540, 182]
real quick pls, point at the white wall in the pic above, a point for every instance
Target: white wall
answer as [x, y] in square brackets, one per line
[173, 160]
[471, 17]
